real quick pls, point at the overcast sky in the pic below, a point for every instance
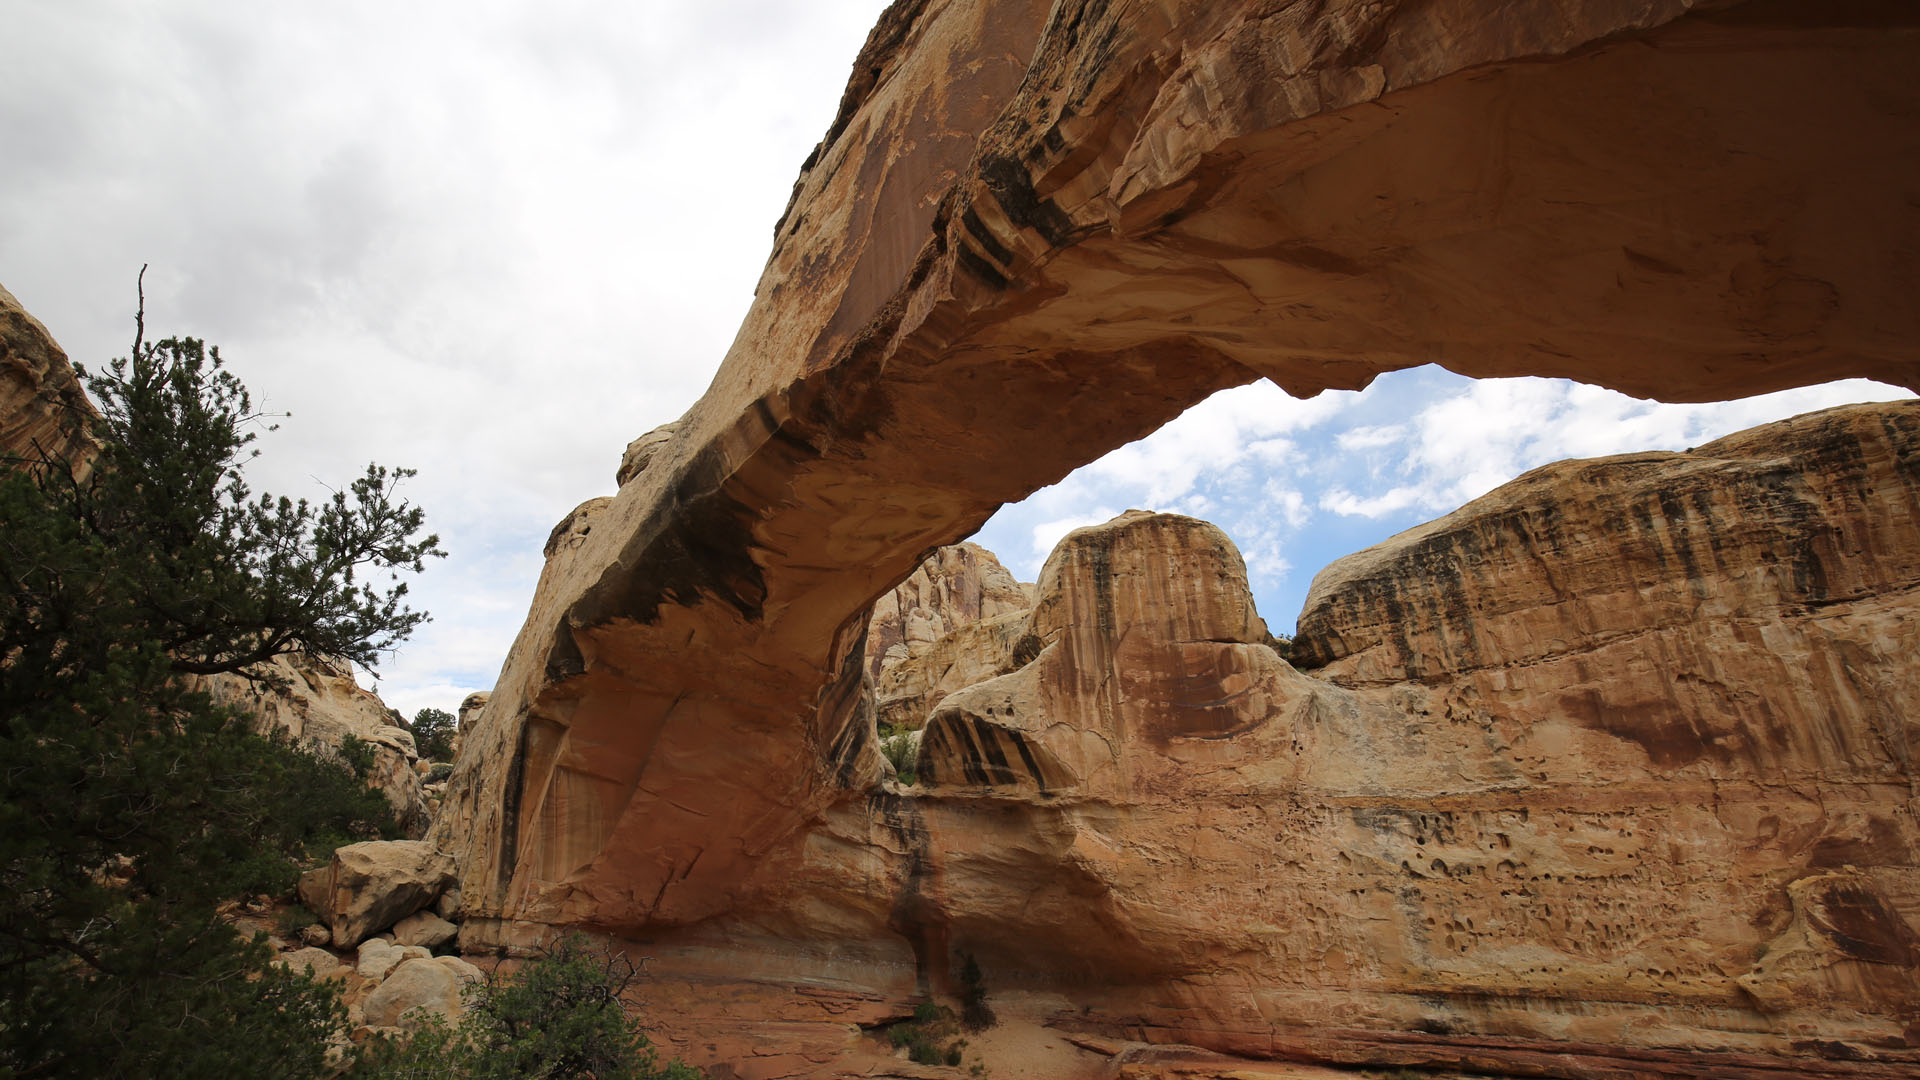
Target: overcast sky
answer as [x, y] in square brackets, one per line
[495, 240]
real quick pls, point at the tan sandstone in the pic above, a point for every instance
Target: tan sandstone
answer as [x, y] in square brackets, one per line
[369, 886]
[41, 401]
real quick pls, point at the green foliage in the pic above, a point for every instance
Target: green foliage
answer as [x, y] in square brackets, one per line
[243, 579]
[973, 995]
[293, 919]
[561, 1018]
[929, 1038]
[900, 749]
[130, 805]
[1282, 644]
[433, 731]
[358, 756]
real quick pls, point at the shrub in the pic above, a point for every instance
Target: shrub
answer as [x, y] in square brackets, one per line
[973, 995]
[295, 919]
[561, 1018]
[903, 753]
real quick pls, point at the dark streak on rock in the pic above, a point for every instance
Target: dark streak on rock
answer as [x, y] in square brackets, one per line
[1012, 188]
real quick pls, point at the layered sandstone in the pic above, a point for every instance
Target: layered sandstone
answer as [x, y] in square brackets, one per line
[943, 628]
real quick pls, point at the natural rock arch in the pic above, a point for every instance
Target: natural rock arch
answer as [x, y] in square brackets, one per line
[1039, 230]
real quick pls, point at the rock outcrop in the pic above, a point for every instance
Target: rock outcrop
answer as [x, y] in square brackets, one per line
[42, 406]
[419, 989]
[319, 705]
[916, 653]
[370, 886]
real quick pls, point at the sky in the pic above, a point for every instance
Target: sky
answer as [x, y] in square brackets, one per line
[494, 241]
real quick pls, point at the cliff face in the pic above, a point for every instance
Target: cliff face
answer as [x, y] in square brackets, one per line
[1595, 789]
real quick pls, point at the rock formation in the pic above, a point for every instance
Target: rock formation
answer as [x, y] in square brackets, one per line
[1038, 230]
[321, 706]
[915, 651]
[40, 397]
[370, 886]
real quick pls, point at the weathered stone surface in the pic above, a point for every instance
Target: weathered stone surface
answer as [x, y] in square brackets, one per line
[641, 452]
[319, 705]
[318, 962]
[376, 958]
[1144, 631]
[425, 929]
[954, 622]
[40, 397]
[369, 886]
[956, 586]
[415, 990]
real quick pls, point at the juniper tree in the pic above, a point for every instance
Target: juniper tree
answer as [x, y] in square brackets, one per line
[131, 805]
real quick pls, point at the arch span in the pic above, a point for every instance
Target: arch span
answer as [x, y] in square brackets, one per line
[1039, 230]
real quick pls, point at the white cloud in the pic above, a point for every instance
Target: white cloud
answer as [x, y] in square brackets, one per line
[491, 242]
[1347, 504]
[1370, 438]
[1049, 533]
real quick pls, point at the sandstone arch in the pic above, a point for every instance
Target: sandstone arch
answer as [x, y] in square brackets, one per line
[1038, 230]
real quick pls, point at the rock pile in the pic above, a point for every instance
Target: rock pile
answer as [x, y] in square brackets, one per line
[392, 903]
